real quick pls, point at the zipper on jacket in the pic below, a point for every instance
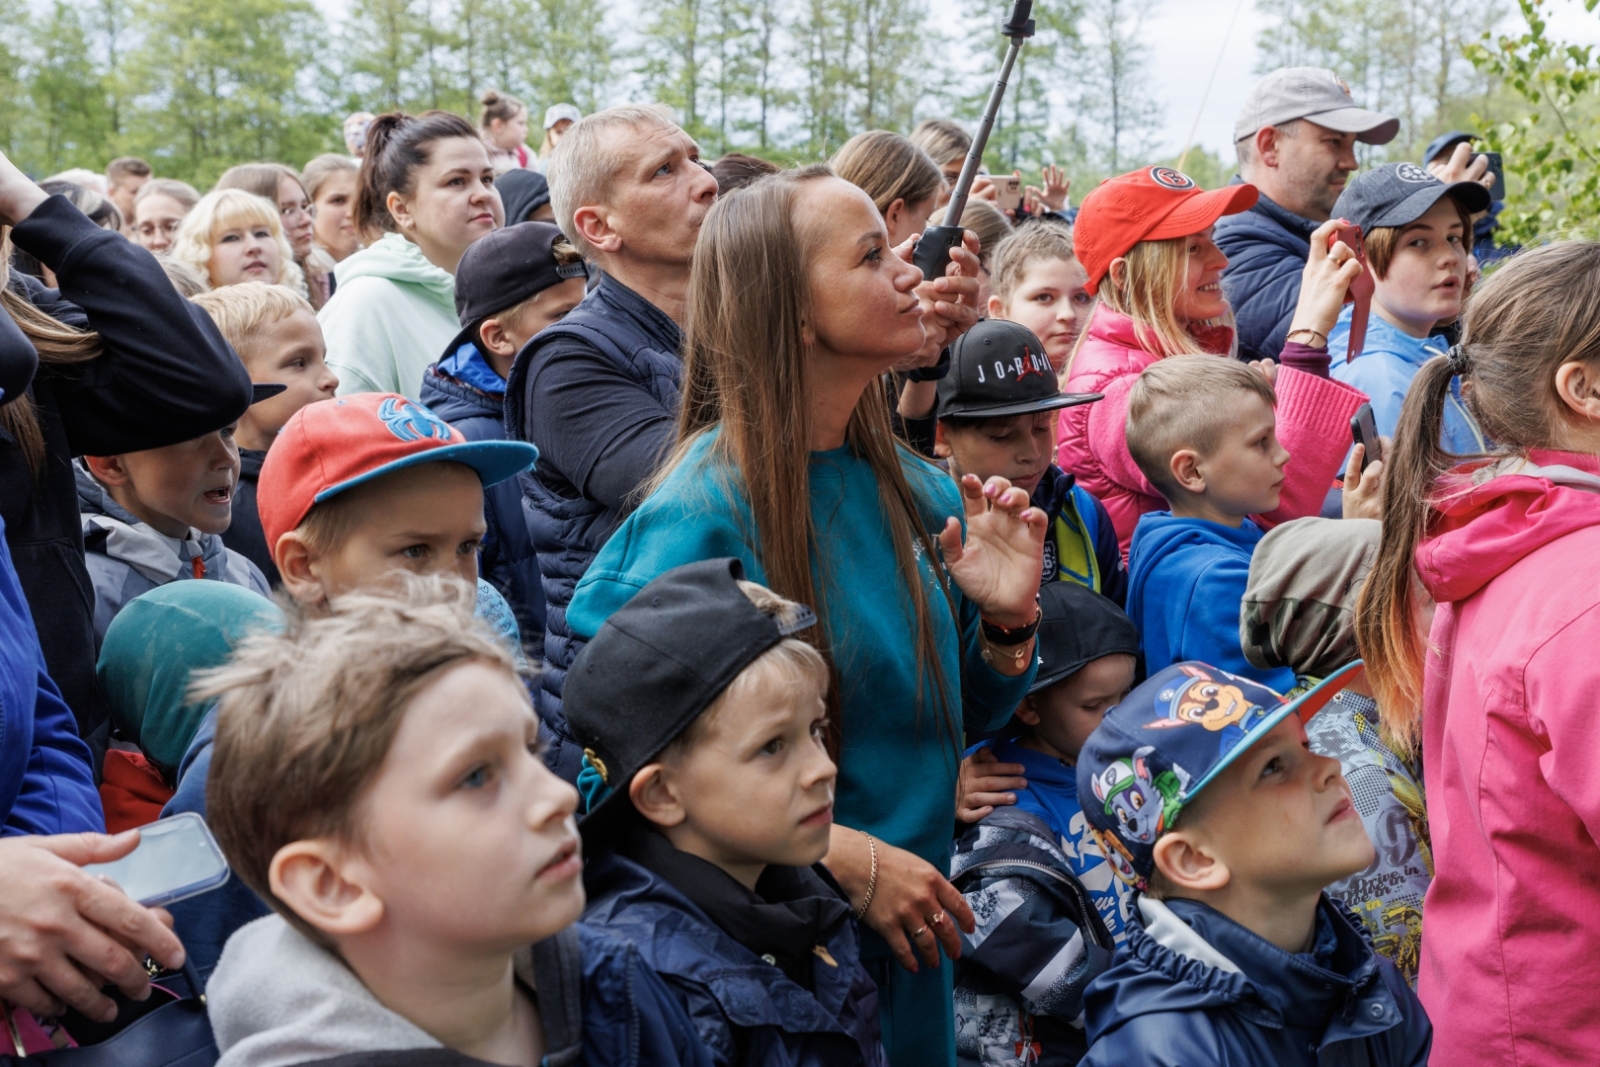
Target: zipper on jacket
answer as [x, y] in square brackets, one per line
[1078, 892]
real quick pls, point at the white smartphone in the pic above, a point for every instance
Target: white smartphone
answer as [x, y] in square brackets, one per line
[175, 859]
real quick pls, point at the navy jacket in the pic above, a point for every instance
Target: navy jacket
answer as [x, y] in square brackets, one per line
[508, 562]
[1191, 987]
[743, 1008]
[1266, 248]
[598, 393]
[245, 534]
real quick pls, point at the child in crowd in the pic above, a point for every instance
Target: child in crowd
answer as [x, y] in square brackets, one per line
[1299, 612]
[509, 286]
[274, 330]
[157, 516]
[710, 806]
[1145, 241]
[1418, 233]
[1202, 788]
[997, 406]
[422, 863]
[1049, 907]
[1038, 282]
[1204, 433]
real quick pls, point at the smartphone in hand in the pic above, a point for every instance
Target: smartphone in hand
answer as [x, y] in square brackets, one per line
[1011, 187]
[1497, 168]
[1364, 431]
[175, 859]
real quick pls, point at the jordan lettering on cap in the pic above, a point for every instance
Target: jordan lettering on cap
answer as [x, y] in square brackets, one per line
[1016, 368]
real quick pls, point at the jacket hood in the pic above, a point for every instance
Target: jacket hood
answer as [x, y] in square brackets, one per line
[1488, 516]
[116, 532]
[278, 999]
[1159, 532]
[396, 259]
[453, 400]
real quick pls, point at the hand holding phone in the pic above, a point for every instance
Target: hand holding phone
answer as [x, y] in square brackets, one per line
[1364, 431]
[176, 859]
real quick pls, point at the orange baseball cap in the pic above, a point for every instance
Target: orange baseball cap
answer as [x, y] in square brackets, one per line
[334, 445]
[1151, 204]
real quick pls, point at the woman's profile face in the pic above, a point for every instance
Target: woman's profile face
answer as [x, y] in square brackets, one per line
[863, 298]
[333, 217]
[294, 208]
[245, 253]
[1200, 296]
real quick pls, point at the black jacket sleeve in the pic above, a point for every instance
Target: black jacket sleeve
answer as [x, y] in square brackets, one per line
[18, 360]
[166, 374]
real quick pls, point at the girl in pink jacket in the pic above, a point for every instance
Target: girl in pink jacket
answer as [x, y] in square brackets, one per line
[1147, 236]
[1505, 682]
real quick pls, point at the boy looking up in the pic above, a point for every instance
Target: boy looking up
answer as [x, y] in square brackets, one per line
[997, 416]
[1203, 432]
[1202, 787]
[422, 863]
[1039, 283]
[275, 333]
[509, 286]
[156, 516]
[1049, 908]
[710, 799]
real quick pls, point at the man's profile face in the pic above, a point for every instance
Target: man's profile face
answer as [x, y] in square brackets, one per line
[1314, 164]
[661, 193]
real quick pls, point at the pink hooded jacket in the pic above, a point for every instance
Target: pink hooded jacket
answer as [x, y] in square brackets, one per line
[1313, 424]
[1511, 756]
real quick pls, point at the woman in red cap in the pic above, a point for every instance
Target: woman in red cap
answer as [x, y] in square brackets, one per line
[1145, 240]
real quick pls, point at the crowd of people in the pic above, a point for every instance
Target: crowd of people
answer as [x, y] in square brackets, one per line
[609, 607]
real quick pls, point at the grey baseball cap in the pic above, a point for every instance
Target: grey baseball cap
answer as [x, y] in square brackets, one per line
[1398, 194]
[1315, 94]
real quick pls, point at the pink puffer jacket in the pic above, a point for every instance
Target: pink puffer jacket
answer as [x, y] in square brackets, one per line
[1313, 424]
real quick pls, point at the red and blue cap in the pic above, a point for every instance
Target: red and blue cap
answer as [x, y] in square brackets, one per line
[1167, 740]
[333, 445]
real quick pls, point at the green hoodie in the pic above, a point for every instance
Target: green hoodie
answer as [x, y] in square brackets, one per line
[153, 646]
[393, 314]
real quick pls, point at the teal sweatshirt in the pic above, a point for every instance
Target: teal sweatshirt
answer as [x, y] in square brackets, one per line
[393, 314]
[897, 773]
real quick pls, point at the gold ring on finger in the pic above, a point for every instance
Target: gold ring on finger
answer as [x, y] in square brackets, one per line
[919, 933]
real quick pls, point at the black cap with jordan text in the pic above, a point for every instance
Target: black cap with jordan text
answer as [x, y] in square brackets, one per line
[999, 368]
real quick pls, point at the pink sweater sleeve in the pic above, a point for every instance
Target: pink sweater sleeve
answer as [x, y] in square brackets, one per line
[1314, 425]
[1108, 437]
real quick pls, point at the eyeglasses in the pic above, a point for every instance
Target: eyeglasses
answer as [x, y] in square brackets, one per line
[301, 209]
[149, 229]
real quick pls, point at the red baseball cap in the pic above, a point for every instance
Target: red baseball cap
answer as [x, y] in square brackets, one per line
[334, 445]
[1151, 204]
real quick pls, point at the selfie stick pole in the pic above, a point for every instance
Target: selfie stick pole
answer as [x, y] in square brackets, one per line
[932, 254]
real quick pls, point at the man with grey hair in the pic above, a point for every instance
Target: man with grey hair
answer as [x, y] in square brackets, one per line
[598, 391]
[1296, 138]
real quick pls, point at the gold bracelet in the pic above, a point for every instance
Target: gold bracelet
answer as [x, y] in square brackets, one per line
[872, 879]
[1018, 654]
[1306, 329]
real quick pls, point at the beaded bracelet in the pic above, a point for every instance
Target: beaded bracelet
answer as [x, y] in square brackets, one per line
[872, 879]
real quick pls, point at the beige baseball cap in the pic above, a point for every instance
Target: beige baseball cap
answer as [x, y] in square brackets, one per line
[1315, 94]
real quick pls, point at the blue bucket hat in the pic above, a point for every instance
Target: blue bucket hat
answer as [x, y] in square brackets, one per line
[1168, 740]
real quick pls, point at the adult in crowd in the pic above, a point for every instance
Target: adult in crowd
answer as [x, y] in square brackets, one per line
[736, 170]
[330, 180]
[1296, 139]
[947, 143]
[233, 236]
[426, 192]
[558, 119]
[526, 195]
[503, 120]
[125, 176]
[281, 185]
[158, 211]
[124, 364]
[598, 391]
[798, 304]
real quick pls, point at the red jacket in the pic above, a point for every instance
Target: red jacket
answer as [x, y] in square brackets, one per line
[1313, 424]
[1511, 756]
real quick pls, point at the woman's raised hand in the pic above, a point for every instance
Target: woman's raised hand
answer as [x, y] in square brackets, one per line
[999, 564]
[1330, 268]
[949, 304]
[19, 196]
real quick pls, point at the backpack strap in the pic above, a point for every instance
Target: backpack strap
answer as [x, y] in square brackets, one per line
[557, 973]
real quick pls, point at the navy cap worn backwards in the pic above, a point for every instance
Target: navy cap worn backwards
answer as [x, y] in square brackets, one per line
[655, 665]
[1398, 194]
[999, 368]
[501, 270]
[1169, 739]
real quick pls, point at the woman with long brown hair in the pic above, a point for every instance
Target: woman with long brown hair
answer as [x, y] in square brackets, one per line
[785, 459]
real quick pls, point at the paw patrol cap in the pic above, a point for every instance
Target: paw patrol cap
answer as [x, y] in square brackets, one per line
[1168, 740]
[334, 445]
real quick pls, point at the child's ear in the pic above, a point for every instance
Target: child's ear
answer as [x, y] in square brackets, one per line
[108, 470]
[314, 879]
[941, 440]
[652, 793]
[1028, 711]
[1118, 273]
[493, 336]
[894, 212]
[997, 308]
[1188, 863]
[297, 566]
[1185, 468]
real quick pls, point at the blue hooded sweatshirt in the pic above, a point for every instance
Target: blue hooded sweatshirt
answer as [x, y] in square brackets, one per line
[1186, 579]
[1388, 362]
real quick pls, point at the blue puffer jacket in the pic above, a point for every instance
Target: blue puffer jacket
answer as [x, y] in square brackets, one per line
[1192, 987]
[569, 529]
[1266, 248]
[508, 562]
[744, 1009]
[46, 785]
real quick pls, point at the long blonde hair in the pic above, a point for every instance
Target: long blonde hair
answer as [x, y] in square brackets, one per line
[223, 209]
[1154, 273]
[747, 371]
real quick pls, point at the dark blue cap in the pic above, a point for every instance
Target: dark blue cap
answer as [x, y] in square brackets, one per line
[1168, 740]
[1444, 141]
[1398, 194]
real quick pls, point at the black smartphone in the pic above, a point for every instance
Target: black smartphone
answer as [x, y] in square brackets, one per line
[1497, 168]
[1364, 430]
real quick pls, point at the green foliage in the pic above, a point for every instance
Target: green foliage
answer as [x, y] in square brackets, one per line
[1551, 150]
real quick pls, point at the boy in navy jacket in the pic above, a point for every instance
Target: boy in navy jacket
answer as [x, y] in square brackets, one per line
[710, 806]
[1202, 788]
[1203, 431]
